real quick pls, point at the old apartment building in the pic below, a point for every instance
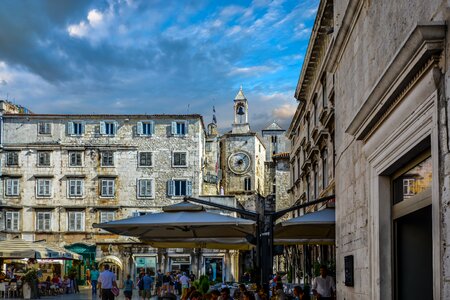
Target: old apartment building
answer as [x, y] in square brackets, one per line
[312, 140]
[62, 173]
[384, 65]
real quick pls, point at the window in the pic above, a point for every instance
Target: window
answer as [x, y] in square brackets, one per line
[76, 128]
[274, 186]
[107, 187]
[315, 110]
[324, 91]
[75, 159]
[108, 127]
[208, 147]
[12, 187]
[180, 128]
[139, 213]
[247, 184]
[12, 158]
[145, 128]
[106, 216]
[107, 158]
[413, 181]
[44, 187]
[43, 221]
[75, 187]
[44, 128]
[408, 186]
[145, 187]
[316, 182]
[179, 188]
[76, 221]
[12, 220]
[179, 159]
[324, 169]
[308, 189]
[43, 158]
[145, 159]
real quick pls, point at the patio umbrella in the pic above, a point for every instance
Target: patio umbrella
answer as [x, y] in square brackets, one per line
[184, 223]
[205, 243]
[18, 248]
[313, 228]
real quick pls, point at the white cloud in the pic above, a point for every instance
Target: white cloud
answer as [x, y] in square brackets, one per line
[285, 111]
[79, 30]
[95, 18]
[301, 31]
[252, 70]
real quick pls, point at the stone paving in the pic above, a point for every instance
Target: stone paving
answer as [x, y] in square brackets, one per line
[85, 294]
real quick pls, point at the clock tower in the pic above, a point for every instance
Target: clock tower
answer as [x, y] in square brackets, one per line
[242, 157]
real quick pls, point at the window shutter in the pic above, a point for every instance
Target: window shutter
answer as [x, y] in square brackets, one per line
[16, 221]
[186, 127]
[152, 127]
[174, 128]
[116, 127]
[139, 128]
[102, 127]
[188, 188]
[70, 128]
[135, 214]
[170, 187]
[112, 188]
[153, 187]
[83, 127]
[9, 186]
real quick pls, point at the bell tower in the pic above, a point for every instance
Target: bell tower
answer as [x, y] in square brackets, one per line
[240, 124]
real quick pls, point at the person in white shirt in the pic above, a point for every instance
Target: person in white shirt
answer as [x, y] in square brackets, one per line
[106, 281]
[323, 286]
[184, 280]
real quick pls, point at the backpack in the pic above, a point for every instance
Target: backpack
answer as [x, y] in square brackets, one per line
[141, 283]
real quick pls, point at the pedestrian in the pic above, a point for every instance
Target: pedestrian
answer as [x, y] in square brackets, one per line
[279, 291]
[94, 279]
[148, 282]
[166, 283]
[128, 287]
[106, 281]
[299, 294]
[184, 281]
[159, 282]
[88, 277]
[225, 294]
[323, 286]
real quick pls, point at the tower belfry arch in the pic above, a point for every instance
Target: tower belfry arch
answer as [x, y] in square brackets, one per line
[240, 124]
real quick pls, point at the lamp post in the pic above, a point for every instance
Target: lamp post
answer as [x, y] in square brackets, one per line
[265, 217]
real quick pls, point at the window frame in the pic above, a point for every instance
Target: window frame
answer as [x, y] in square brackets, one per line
[109, 128]
[47, 128]
[107, 187]
[16, 187]
[76, 128]
[14, 218]
[76, 187]
[12, 158]
[77, 215]
[102, 158]
[176, 125]
[106, 213]
[44, 227]
[172, 187]
[75, 153]
[247, 183]
[185, 158]
[38, 188]
[151, 182]
[46, 158]
[146, 153]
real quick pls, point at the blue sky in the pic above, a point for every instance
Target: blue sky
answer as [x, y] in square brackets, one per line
[173, 57]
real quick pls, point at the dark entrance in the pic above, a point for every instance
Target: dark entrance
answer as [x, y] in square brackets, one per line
[413, 247]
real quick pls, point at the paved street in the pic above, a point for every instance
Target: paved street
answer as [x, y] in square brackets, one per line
[85, 294]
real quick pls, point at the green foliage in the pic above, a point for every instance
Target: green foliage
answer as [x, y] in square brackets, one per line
[202, 284]
[30, 276]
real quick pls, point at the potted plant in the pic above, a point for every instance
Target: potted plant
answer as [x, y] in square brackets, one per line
[29, 282]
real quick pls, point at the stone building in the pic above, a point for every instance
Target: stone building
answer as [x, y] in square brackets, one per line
[389, 61]
[312, 142]
[242, 156]
[62, 173]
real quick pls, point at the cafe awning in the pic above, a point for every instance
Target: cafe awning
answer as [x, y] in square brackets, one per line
[186, 223]
[18, 248]
[312, 228]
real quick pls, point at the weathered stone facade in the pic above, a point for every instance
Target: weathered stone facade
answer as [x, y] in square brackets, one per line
[390, 66]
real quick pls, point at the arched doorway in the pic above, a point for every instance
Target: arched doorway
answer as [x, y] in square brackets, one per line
[115, 265]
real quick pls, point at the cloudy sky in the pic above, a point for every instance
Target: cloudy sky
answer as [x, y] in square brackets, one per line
[150, 56]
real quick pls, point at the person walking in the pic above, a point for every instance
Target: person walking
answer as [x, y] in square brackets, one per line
[106, 281]
[323, 286]
[184, 281]
[148, 282]
[94, 279]
[159, 282]
[128, 287]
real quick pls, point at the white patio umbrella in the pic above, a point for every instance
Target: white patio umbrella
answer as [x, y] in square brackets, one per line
[313, 228]
[185, 225]
[18, 248]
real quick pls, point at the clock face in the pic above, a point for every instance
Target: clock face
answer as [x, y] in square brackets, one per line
[239, 162]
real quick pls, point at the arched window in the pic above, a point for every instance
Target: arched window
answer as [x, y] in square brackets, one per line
[308, 189]
[324, 168]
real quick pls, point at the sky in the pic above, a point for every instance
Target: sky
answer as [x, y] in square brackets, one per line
[155, 57]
